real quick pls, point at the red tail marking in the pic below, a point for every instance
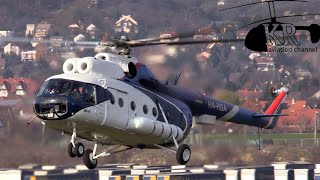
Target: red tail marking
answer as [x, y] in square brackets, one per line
[275, 104]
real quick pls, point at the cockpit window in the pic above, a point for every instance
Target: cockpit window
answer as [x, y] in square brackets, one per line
[56, 87]
[78, 91]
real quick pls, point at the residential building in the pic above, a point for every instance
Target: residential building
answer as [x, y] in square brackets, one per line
[29, 56]
[76, 28]
[11, 49]
[56, 41]
[30, 28]
[92, 30]
[13, 87]
[203, 56]
[221, 2]
[127, 24]
[241, 34]
[4, 89]
[6, 33]
[79, 37]
[168, 35]
[301, 73]
[43, 30]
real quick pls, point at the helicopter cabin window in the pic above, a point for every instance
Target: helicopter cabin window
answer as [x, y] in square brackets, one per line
[120, 101]
[83, 92]
[112, 100]
[133, 105]
[78, 91]
[56, 87]
[154, 112]
[145, 109]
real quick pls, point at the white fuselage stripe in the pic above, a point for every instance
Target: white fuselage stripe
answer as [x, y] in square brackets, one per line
[230, 114]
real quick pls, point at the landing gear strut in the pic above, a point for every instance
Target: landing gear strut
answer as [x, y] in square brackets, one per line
[90, 158]
[183, 153]
[75, 149]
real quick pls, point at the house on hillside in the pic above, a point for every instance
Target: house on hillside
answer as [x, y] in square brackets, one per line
[4, 89]
[6, 33]
[301, 73]
[92, 30]
[221, 2]
[241, 34]
[79, 37]
[75, 28]
[10, 48]
[126, 24]
[94, 3]
[168, 35]
[13, 87]
[30, 29]
[264, 63]
[43, 30]
[56, 41]
[29, 56]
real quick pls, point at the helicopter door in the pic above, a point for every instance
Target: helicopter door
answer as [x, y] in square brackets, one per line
[118, 109]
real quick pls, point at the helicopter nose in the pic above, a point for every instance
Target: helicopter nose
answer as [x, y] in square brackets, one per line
[50, 107]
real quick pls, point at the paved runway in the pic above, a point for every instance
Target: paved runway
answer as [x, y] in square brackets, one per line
[278, 171]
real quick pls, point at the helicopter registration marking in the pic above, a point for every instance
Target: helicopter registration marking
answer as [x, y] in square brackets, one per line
[217, 106]
[103, 83]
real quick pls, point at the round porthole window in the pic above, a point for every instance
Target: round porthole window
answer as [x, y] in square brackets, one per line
[133, 105]
[120, 102]
[145, 109]
[154, 112]
[112, 100]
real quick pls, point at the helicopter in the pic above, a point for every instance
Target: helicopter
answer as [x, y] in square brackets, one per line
[275, 32]
[113, 99]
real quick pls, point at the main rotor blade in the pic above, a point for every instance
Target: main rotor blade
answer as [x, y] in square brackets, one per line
[279, 17]
[30, 40]
[269, 1]
[185, 42]
[181, 36]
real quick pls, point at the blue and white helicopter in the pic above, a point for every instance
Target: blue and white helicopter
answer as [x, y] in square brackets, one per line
[113, 99]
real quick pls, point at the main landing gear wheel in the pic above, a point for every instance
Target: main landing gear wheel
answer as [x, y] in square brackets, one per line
[79, 149]
[183, 154]
[71, 151]
[88, 159]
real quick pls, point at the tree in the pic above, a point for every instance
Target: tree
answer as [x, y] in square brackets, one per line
[229, 96]
[8, 73]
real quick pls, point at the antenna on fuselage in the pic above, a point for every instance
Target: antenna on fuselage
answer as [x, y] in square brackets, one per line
[177, 79]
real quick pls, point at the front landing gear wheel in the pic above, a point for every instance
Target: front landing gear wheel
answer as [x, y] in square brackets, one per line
[88, 159]
[183, 154]
[79, 149]
[71, 151]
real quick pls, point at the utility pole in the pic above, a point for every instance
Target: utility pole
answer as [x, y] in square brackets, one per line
[315, 128]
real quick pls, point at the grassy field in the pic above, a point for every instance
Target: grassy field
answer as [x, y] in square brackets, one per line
[289, 138]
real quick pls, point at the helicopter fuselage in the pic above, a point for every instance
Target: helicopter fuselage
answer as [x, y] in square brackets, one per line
[112, 102]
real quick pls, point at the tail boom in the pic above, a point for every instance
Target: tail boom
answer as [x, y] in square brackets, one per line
[275, 107]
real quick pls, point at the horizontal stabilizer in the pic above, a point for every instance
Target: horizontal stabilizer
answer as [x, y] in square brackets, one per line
[269, 115]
